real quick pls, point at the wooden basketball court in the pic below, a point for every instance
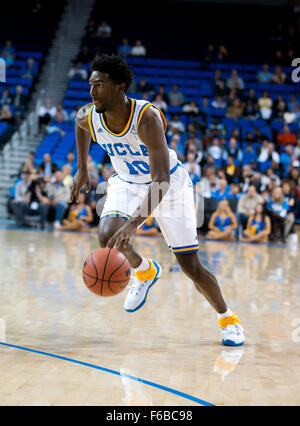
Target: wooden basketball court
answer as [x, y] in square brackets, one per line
[62, 345]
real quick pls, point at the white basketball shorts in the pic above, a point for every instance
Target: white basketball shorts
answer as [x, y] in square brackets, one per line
[175, 215]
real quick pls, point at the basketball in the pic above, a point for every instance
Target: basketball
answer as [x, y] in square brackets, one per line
[106, 272]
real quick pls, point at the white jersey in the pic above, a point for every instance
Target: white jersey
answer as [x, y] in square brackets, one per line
[129, 155]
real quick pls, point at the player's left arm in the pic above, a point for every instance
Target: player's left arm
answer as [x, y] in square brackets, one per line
[151, 132]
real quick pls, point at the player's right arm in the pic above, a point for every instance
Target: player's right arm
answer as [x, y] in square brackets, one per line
[83, 141]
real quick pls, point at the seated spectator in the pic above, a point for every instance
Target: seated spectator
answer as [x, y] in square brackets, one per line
[190, 108]
[84, 56]
[80, 216]
[9, 49]
[124, 49]
[297, 149]
[6, 115]
[215, 150]
[161, 91]
[204, 108]
[8, 59]
[264, 76]
[174, 145]
[249, 154]
[176, 97]
[265, 104]
[177, 124]
[208, 57]
[219, 102]
[149, 227]
[258, 226]
[235, 110]
[222, 191]
[36, 202]
[222, 54]
[67, 175]
[289, 194]
[21, 189]
[279, 110]
[145, 87]
[235, 82]
[233, 151]
[293, 104]
[6, 97]
[19, 101]
[58, 195]
[61, 114]
[91, 28]
[29, 72]
[294, 171]
[46, 112]
[29, 165]
[246, 207]
[47, 167]
[104, 30]
[278, 209]
[70, 160]
[194, 140]
[287, 137]
[217, 126]
[222, 223]
[192, 167]
[221, 89]
[279, 77]
[92, 167]
[268, 153]
[269, 180]
[138, 49]
[160, 103]
[78, 72]
[231, 170]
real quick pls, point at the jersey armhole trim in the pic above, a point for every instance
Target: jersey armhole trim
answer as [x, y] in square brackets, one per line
[141, 113]
[91, 126]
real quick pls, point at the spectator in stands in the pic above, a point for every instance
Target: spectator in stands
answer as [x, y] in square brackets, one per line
[268, 153]
[78, 72]
[279, 59]
[176, 97]
[279, 76]
[246, 207]
[222, 223]
[91, 28]
[264, 76]
[258, 226]
[61, 114]
[138, 49]
[67, 175]
[217, 126]
[80, 216]
[177, 124]
[231, 169]
[222, 191]
[215, 149]
[30, 69]
[294, 172]
[293, 104]
[9, 60]
[221, 89]
[84, 56]
[20, 192]
[9, 49]
[235, 82]
[6, 115]
[282, 222]
[19, 101]
[265, 104]
[104, 30]
[59, 195]
[287, 137]
[70, 160]
[209, 56]
[297, 149]
[29, 165]
[36, 202]
[159, 102]
[269, 180]
[174, 144]
[124, 49]
[6, 97]
[145, 87]
[222, 54]
[289, 193]
[279, 110]
[190, 108]
[192, 167]
[46, 112]
[233, 151]
[204, 107]
[92, 167]
[162, 92]
[218, 102]
[47, 167]
[235, 110]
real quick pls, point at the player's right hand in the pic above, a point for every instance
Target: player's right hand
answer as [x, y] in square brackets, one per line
[80, 179]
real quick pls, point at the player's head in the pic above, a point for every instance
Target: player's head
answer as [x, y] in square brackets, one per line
[110, 79]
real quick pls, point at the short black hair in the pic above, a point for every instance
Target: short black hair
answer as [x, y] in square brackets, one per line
[115, 66]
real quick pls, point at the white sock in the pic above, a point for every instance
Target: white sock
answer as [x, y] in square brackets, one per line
[144, 266]
[228, 313]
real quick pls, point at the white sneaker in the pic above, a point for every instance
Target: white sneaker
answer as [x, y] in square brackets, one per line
[57, 224]
[232, 331]
[141, 284]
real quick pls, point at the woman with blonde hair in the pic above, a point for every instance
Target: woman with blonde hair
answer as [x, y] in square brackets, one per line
[80, 215]
[222, 223]
[278, 208]
[258, 226]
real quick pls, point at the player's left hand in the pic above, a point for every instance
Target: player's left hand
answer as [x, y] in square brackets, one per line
[122, 236]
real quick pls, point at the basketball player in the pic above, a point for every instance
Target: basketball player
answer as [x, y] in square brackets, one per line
[148, 180]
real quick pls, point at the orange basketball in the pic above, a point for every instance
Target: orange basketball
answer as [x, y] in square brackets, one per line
[106, 272]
